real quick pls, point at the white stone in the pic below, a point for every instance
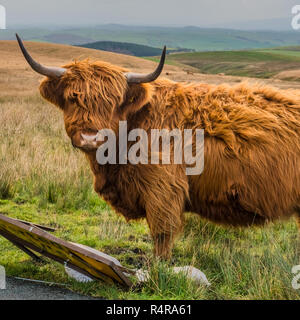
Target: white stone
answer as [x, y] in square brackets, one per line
[77, 275]
[142, 275]
[193, 274]
[190, 272]
[2, 278]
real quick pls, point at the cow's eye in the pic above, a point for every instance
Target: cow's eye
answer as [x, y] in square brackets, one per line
[74, 97]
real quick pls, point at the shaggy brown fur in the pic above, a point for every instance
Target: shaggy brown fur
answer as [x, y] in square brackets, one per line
[252, 147]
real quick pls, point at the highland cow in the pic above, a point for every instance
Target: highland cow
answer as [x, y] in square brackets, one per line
[252, 145]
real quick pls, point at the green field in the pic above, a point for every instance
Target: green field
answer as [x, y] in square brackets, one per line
[262, 63]
[240, 264]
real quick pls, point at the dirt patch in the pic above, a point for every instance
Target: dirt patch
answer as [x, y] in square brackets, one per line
[135, 257]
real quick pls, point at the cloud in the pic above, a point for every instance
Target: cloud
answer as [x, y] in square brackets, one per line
[145, 12]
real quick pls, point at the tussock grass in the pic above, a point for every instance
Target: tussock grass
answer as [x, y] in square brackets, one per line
[36, 157]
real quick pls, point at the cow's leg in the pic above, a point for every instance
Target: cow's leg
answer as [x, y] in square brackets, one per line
[164, 233]
[164, 213]
[163, 245]
[298, 214]
[164, 191]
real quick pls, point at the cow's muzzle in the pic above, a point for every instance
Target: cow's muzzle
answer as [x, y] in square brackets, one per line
[85, 141]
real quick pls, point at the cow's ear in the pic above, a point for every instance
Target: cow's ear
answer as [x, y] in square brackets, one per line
[137, 96]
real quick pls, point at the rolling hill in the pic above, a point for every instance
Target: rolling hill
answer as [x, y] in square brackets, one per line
[57, 55]
[131, 49]
[200, 39]
[262, 63]
[179, 68]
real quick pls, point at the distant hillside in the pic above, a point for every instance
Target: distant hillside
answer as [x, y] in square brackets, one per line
[59, 55]
[262, 63]
[132, 49]
[275, 24]
[199, 39]
[63, 38]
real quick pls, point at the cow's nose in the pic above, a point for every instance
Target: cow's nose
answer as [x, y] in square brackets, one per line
[85, 141]
[76, 140]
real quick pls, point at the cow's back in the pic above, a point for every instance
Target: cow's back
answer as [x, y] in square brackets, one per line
[252, 155]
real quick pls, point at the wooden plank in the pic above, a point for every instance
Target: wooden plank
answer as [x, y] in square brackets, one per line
[20, 246]
[94, 264]
[45, 228]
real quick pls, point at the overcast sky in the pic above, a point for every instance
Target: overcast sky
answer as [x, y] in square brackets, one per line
[144, 12]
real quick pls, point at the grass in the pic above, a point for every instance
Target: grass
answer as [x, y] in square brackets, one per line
[262, 63]
[44, 180]
[240, 264]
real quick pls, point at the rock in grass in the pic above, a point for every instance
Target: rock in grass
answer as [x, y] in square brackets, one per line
[77, 275]
[190, 272]
[194, 274]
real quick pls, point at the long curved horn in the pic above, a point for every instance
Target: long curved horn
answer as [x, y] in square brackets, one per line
[144, 78]
[52, 72]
